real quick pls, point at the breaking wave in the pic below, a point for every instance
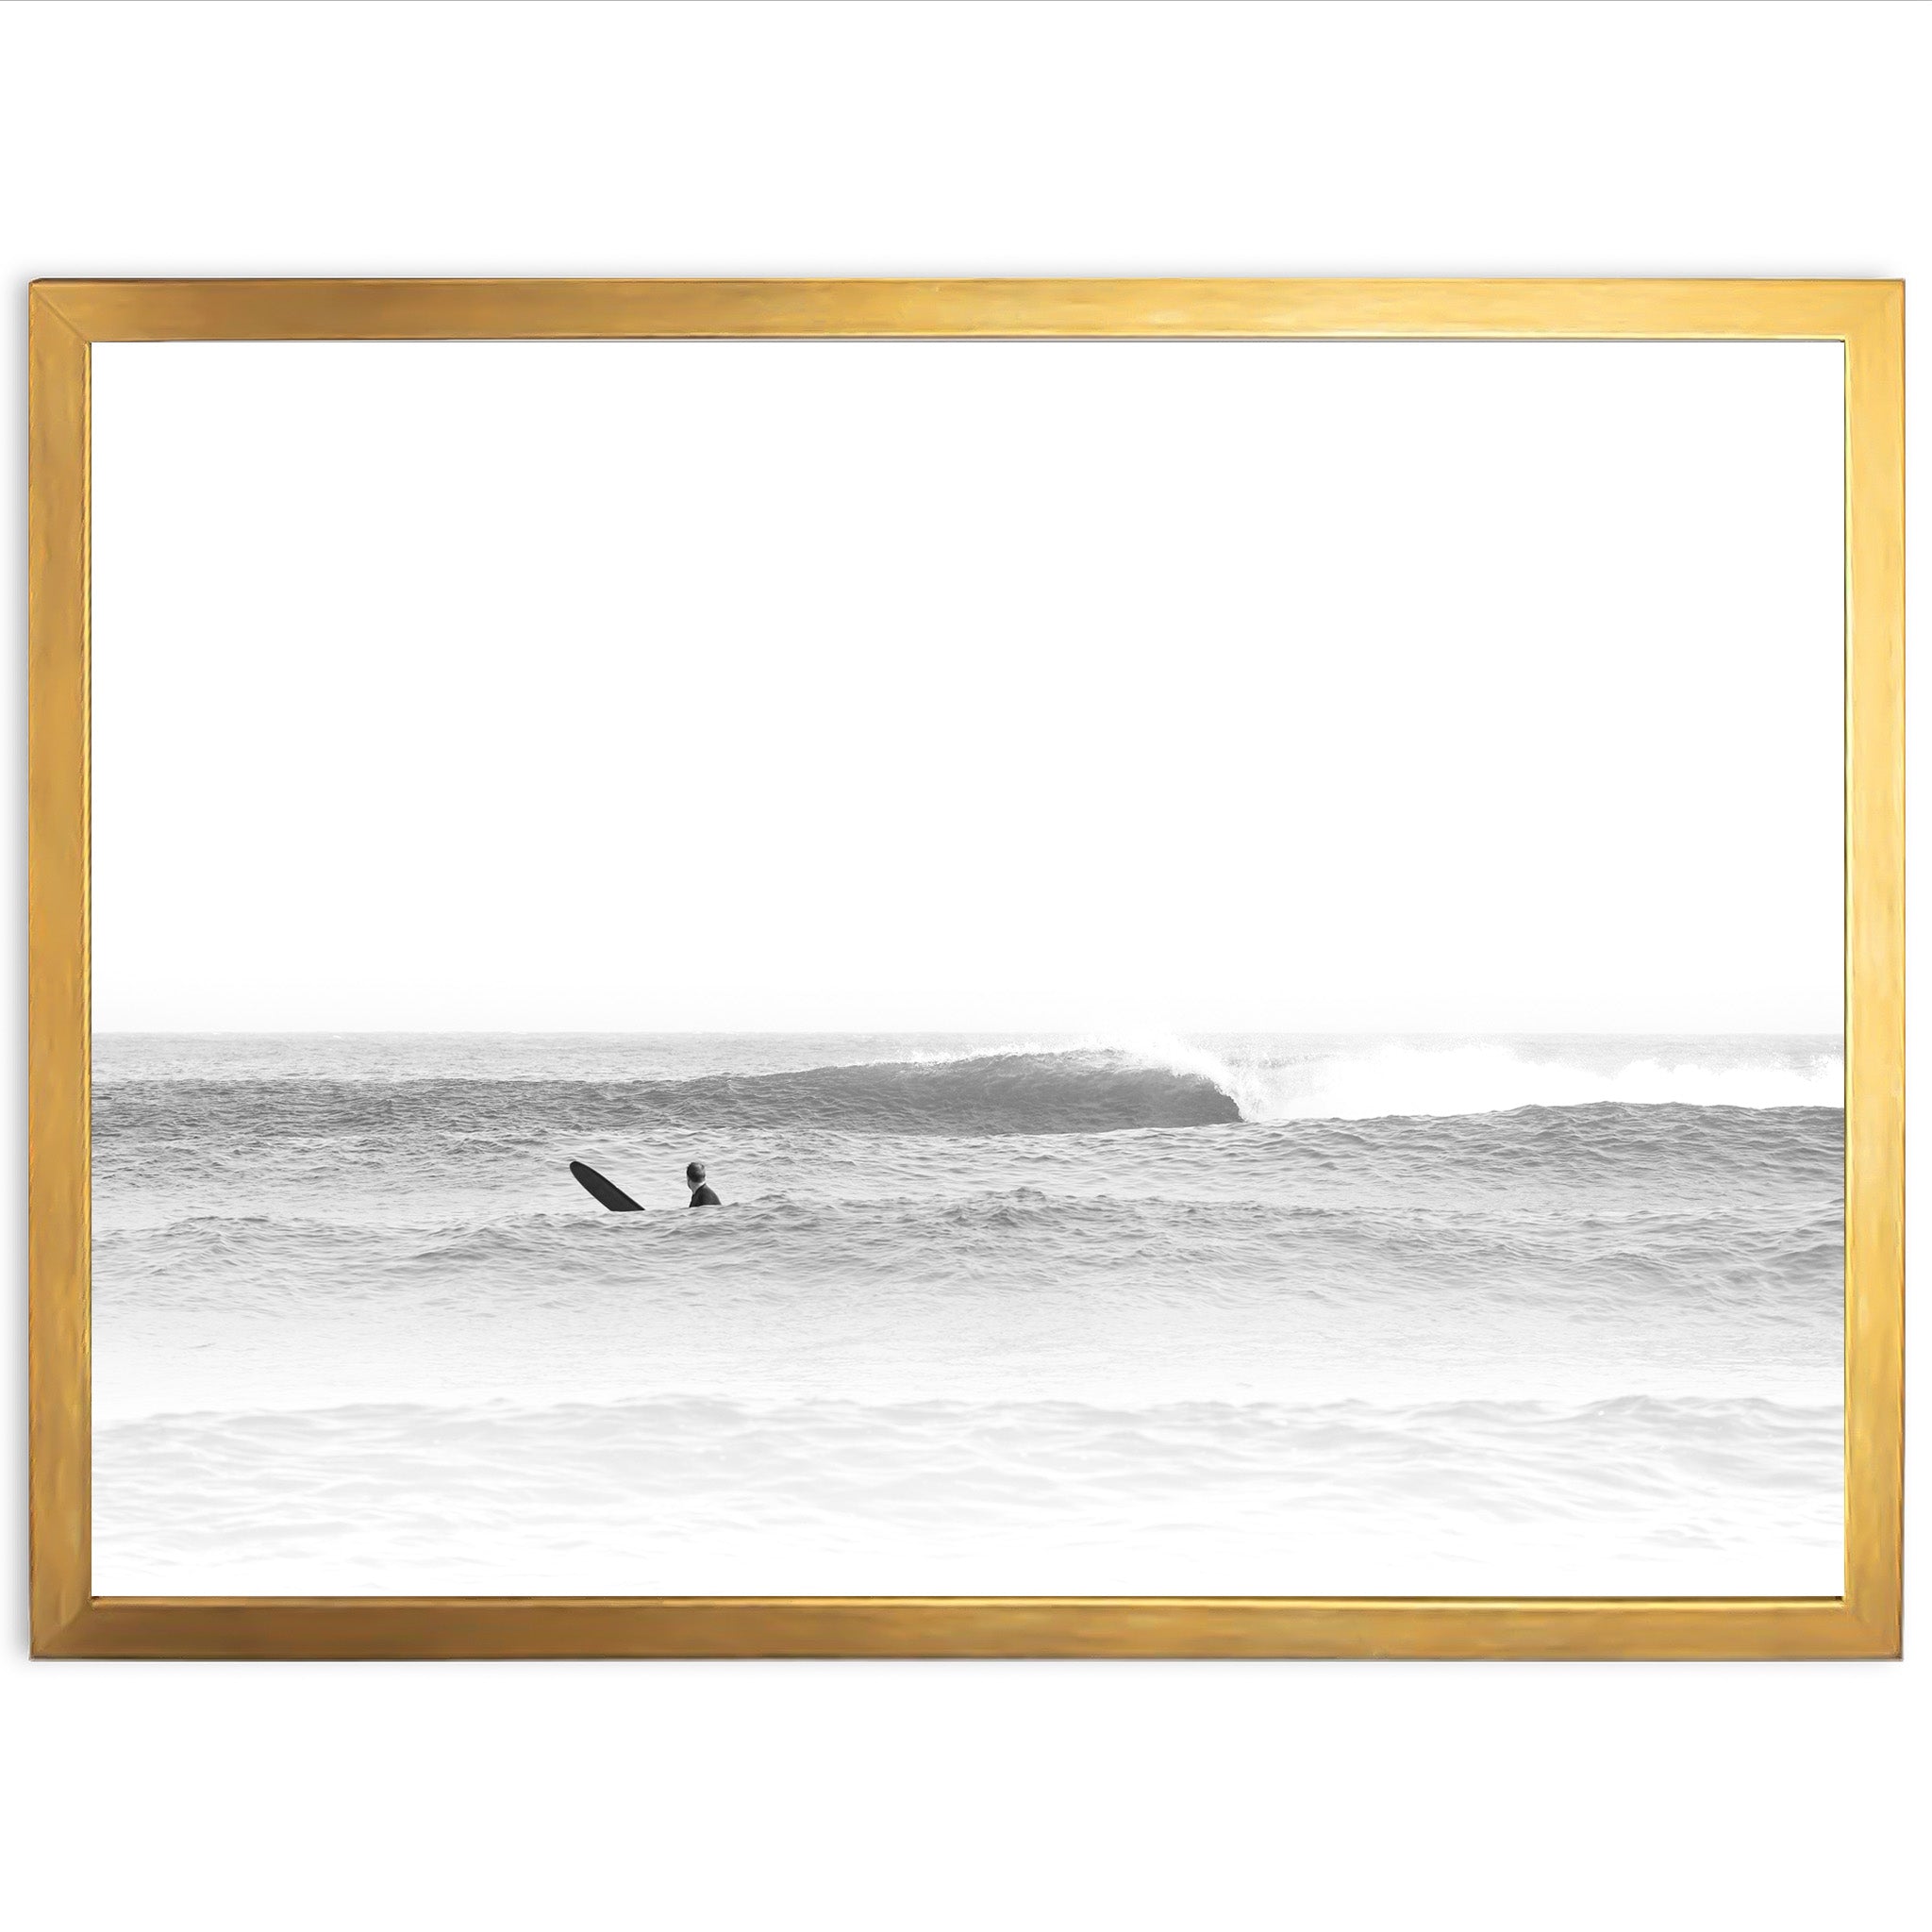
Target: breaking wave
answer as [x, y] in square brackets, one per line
[1087, 1089]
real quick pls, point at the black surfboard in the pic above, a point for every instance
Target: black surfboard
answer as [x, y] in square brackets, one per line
[613, 1198]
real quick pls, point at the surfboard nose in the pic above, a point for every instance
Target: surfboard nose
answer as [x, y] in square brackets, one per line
[599, 1189]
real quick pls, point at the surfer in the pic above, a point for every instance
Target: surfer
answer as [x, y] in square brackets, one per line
[701, 1196]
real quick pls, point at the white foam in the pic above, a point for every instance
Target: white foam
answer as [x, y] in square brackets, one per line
[1402, 1078]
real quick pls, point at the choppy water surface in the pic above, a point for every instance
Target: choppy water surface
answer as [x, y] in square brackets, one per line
[1248, 1315]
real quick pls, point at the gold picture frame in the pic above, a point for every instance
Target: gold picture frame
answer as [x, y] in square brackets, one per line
[66, 318]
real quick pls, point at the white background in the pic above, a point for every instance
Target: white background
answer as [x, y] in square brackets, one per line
[1736, 139]
[1050, 687]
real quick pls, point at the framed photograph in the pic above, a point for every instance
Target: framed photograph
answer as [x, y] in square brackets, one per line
[966, 968]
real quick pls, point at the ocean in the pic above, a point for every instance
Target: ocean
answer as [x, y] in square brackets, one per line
[1230, 1315]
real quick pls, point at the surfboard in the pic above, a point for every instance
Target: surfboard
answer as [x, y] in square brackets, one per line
[613, 1198]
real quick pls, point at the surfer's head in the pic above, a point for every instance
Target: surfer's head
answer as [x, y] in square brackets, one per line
[694, 1173]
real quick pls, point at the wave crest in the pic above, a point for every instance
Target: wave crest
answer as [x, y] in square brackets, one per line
[1093, 1086]
[1074, 1092]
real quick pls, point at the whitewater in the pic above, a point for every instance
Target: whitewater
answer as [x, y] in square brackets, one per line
[1249, 1314]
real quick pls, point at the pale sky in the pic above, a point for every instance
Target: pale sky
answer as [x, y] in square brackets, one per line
[1063, 686]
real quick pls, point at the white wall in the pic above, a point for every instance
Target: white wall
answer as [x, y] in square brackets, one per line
[1737, 140]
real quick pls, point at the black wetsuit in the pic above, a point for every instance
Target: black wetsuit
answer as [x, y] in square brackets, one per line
[704, 1195]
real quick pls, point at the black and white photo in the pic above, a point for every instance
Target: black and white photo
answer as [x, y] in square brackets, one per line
[1111, 967]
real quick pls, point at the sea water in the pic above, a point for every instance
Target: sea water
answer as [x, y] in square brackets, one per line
[1243, 1315]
